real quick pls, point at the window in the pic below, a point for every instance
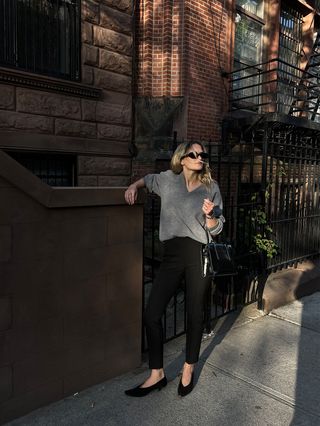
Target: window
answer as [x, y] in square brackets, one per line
[52, 169]
[248, 51]
[41, 36]
[247, 40]
[252, 6]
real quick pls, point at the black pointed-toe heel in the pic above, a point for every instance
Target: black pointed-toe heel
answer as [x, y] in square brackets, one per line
[139, 391]
[185, 390]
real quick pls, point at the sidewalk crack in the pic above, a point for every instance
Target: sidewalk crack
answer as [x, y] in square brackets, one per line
[272, 393]
[277, 316]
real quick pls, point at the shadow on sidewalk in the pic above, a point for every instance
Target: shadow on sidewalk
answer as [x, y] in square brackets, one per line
[307, 380]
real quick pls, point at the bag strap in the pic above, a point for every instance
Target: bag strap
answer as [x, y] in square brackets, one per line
[211, 196]
[208, 235]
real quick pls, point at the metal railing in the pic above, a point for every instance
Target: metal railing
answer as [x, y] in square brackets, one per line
[276, 86]
[293, 204]
[174, 319]
[41, 36]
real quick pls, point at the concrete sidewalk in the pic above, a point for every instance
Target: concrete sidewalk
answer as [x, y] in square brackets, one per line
[255, 370]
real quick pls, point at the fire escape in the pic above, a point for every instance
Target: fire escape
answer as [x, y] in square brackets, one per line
[313, 68]
[279, 87]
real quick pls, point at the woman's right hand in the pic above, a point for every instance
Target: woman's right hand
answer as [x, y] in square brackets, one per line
[131, 194]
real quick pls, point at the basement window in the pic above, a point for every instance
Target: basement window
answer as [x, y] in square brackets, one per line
[52, 169]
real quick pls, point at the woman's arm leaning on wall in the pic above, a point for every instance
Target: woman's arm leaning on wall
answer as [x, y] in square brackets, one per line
[131, 193]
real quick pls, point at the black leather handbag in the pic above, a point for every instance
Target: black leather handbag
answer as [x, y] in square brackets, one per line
[217, 259]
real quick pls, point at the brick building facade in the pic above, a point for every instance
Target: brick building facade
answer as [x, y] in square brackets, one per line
[179, 77]
[182, 48]
[242, 75]
[185, 52]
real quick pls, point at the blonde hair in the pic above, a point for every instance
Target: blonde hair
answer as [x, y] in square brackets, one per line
[182, 149]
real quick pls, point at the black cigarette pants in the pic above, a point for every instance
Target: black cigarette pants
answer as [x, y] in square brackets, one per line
[181, 259]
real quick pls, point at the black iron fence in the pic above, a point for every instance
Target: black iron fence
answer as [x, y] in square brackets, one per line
[41, 36]
[269, 177]
[174, 320]
[293, 203]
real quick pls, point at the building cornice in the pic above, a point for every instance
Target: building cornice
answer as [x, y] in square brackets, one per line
[40, 82]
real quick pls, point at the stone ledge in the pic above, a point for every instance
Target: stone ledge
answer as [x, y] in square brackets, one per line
[51, 197]
[85, 197]
[16, 140]
[285, 286]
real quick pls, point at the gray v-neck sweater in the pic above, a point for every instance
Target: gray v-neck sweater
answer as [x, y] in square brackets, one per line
[181, 211]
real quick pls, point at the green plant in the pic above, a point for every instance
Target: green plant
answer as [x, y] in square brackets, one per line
[262, 231]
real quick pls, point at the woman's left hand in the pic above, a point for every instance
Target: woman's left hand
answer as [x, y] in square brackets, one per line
[207, 206]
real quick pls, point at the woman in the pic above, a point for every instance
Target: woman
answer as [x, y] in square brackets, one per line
[188, 197]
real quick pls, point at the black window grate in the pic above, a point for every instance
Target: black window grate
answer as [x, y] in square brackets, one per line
[52, 169]
[41, 36]
[290, 43]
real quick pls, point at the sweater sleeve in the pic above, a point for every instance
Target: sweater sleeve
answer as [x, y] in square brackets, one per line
[158, 183]
[217, 199]
[216, 196]
[215, 230]
[152, 182]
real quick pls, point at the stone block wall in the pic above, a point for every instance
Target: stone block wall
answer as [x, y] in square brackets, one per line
[102, 126]
[71, 289]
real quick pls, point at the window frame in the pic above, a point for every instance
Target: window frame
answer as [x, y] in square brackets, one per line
[52, 65]
[252, 15]
[241, 11]
[251, 94]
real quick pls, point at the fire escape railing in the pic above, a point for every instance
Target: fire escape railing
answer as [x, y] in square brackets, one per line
[276, 86]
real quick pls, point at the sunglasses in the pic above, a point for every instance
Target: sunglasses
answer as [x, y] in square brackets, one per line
[194, 155]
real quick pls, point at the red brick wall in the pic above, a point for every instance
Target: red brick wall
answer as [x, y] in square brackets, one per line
[207, 54]
[160, 48]
[182, 48]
